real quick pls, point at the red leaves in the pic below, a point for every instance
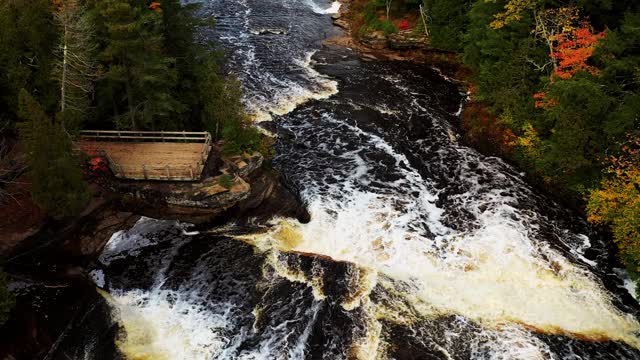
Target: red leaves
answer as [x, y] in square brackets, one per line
[98, 165]
[573, 49]
[155, 6]
[404, 24]
[542, 102]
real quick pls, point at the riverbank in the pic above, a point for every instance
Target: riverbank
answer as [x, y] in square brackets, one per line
[479, 128]
[418, 246]
[402, 46]
[48, 258]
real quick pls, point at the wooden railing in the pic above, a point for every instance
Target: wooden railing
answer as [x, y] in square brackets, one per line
[146, 136]
[153, 171]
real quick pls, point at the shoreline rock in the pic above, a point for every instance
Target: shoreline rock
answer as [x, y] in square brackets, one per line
[401, 46]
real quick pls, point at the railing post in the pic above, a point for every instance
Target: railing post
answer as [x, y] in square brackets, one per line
[144, 171]
[168, 172]
[191, 172]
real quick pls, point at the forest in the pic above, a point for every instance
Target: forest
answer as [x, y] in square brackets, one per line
[69, 65]
[554, 88]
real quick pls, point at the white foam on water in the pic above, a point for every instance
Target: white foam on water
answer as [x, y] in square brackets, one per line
[628, 284]
[333, 9]
[321, 87]
[164, 324]
[509, 343]
[494, 273]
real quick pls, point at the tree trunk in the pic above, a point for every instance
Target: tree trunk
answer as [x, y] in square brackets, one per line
[388, 8]
[63, 83]
[129, 90]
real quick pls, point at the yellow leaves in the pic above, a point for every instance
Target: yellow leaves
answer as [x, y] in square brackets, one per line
[514, 10]
[529, 141]
[617, 202]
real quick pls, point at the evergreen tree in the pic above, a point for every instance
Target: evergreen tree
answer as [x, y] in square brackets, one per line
[27, 40]
[194, 62]
[447, 22]
[56, 180]
[135, 62]
[75, 69]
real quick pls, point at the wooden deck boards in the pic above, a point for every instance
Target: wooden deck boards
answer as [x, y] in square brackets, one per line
[150, 160]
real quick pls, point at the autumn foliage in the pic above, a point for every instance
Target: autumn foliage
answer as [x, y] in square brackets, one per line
[484, 131]
[404, 24]
[543, 101]
[573, 49]
[617, 202]
[155, 6]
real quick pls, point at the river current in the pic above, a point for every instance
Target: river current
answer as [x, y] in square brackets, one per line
[418, 247]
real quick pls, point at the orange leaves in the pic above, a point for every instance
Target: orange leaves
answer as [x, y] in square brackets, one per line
[573, 49]
[542, 102]
[155, 6]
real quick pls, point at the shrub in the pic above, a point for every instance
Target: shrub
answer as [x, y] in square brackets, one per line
[241, 138]
[225, 181]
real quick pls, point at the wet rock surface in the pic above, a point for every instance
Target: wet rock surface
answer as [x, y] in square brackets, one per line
[251, 182]
[56, 296]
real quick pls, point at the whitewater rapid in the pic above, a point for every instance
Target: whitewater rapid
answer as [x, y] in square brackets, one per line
[417, 247]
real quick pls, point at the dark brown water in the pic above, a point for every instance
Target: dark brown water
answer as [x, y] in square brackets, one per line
[418, 247]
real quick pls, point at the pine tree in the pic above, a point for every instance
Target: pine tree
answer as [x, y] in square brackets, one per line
[135, 60]
[56, 180]
[76, 67]
[447, 21]
[27, 40]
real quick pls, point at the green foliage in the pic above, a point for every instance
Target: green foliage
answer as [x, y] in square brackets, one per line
[56, 179]
[241, 137]
[447, 22]
[126, 66]
[27, 41]
[223, 113]
[136, 65]
[564, 128]
[7, 300]
[371, 20]
[616, 202]
[225, 181]
[575, 141]
[223, 105]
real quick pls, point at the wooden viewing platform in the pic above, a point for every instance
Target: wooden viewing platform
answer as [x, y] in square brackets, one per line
[150, 155]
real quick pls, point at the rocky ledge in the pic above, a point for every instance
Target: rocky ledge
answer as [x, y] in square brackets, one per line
[194, 202]
[402, 40]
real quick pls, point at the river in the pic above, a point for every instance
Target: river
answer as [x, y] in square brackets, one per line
[418, 247]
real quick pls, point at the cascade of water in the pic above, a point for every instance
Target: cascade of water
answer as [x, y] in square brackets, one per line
[418, 247]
